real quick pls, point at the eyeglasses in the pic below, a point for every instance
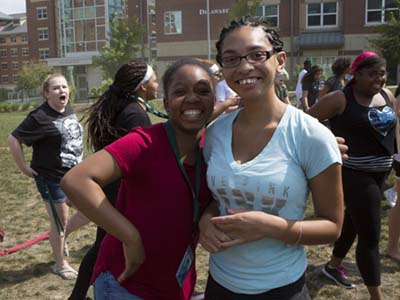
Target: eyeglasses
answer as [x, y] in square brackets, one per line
[252, 58]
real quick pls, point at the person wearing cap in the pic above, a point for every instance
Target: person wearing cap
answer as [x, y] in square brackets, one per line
[362, 113]
[121, 108]
[299, 90]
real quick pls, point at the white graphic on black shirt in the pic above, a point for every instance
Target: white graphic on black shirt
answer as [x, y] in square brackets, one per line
[72, 141]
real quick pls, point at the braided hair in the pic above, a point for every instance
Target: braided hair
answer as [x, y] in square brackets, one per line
[253, 21]
[102, 115]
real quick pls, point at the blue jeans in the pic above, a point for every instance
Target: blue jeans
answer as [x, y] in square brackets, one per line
[106, 287]
[50, 189]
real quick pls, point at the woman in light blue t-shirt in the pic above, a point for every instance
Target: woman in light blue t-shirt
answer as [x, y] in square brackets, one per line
[263, 160]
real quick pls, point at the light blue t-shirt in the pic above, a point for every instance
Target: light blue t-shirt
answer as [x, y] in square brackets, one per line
[275, 182]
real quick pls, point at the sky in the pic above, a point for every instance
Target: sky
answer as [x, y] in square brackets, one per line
[12, 6]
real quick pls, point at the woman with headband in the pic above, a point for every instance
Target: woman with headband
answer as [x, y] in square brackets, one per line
[362, 113]
[122, 107]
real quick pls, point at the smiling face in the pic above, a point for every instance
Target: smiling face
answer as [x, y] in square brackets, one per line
[371, 80]
[251, 80]
[57, 93]
[190, 99]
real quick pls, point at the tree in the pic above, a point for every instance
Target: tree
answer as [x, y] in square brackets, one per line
[243, 8]
[31, 77]
[388, 44]
[124, 44]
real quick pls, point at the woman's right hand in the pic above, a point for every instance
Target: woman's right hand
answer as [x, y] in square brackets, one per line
[28, 171]
[134, 258]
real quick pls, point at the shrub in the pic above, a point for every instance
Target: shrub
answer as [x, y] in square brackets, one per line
[25, 106]
[14, 106]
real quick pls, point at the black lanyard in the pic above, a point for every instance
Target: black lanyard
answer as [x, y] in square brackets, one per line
[150, 108]
[195, 192]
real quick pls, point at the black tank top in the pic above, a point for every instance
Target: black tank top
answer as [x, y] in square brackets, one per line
[369, 133]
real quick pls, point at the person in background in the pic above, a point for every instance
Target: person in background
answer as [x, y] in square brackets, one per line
[120, 109]
[299, 89]
[362, 113]
[340, 69]
[393, 250]
[149, 249]
[226, 99]
[280, 86]
[311, 85]
[263, 159]
[56, 137]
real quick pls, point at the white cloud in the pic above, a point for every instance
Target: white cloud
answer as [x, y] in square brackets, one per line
[12, 6]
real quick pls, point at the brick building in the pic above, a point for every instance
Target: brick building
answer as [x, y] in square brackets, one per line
[68, 33]
[14, 49]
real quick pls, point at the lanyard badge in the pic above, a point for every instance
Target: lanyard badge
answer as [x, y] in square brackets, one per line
[188, 257]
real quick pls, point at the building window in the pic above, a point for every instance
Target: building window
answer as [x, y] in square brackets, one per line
[44, 53]
[4, 78]
[4, 66]
[25, 52]
[2, 40]
[24, 38]
[15, 77]
[322, 14]
[41, 13]
[173, 22]
[13, 39]
[15, 65]
[270, 12]
[14, 52]
[3, 52]
[43, 34]
[379, 11]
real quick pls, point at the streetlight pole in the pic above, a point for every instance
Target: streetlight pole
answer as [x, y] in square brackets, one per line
[208, 29]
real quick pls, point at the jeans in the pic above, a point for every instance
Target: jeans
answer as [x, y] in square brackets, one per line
[50, 189]
[106, 287]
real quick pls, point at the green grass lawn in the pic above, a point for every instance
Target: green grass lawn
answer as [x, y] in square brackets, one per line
[26, 274]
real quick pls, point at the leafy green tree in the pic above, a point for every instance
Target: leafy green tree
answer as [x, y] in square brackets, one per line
[31, 77]
[243, 8]
[388, 44]
[125, 43]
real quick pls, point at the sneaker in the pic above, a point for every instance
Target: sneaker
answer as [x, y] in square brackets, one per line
[391, 197]
[338, 275]
[197, 296]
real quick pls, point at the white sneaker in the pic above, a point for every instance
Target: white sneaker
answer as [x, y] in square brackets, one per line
[391, 197]
[197, 295]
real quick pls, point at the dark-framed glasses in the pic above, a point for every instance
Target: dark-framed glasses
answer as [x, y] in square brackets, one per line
[231, 61]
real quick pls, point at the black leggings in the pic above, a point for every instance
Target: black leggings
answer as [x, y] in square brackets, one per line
[362, 218]
[86, 268]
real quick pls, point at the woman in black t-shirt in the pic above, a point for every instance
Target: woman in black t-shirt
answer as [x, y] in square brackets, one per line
[121, 108]
[55, 135]
[340, 68]
[311, 85]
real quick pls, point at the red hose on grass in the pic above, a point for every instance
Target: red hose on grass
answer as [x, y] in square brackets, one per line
[26, 244]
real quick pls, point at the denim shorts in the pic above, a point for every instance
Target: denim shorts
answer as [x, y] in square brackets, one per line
[50, 189]
[106, 287]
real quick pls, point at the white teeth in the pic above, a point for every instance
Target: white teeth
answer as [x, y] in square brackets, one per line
[248, 81]
[192, 112]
